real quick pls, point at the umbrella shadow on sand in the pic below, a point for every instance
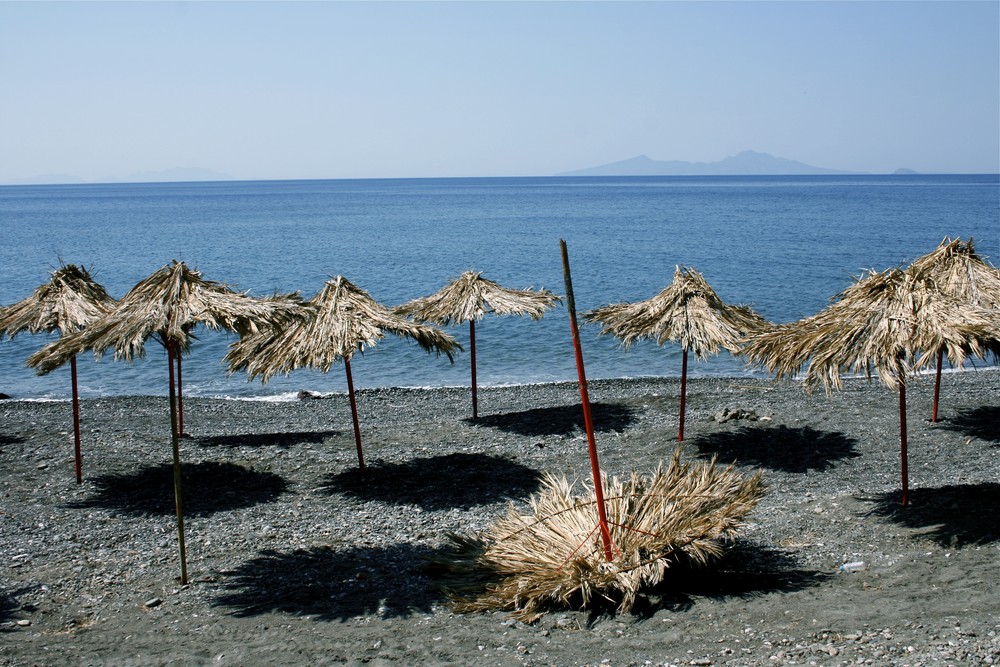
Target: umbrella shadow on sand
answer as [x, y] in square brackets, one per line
[330, 584]
[10, 605]
[257, 440]
[561, 420]
[746, 570]
[800, 449]
[9, 439]
[953, 516]
[982, 423]
[438, 482]
[209, 487]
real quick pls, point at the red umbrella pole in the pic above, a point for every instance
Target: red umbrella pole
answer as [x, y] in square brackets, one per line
[937, 385]
[902, 441]
[595, 466]
[178, 503]
[684, 377]
[354, 412]
[472, 352]
[76, 422]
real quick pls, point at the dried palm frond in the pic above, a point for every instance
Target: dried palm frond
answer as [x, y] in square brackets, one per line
[688, 311]
[890, 322]
[470, 296]
[67, 303]
[169, 304]
[956, 269]
[552, 557]
[340, 319]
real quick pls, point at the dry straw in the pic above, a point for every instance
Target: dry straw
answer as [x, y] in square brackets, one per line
[551, 557]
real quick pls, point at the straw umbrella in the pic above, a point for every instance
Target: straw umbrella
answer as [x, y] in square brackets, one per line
[168, 306]
[341, 319]
[956, 270]
[689, 312]
[891, 322]
[67, 303]
[467, 299]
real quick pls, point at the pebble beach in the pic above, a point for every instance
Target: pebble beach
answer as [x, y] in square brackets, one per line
[295, 557]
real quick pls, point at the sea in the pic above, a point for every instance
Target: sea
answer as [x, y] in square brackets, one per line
[784, 245]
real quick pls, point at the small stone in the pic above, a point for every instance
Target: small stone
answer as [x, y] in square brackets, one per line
[23, 623]
[152, 602]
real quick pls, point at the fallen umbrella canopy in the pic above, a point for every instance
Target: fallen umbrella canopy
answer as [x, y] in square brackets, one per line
[552, 558]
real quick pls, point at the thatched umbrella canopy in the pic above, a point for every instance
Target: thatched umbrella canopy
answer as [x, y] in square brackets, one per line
[168, 306]
[688, 312]
[891, 322]
[955, 269]
[341, 319]
[467, 299]
[67, 303]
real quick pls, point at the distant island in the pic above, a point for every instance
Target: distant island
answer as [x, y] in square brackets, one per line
[747, 163]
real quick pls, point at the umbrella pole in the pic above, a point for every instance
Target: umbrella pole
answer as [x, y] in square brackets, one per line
[174, 441]
[354, 412]
[595, 466]
[76, 422]
[937, 385]
[902, 440]
[472, 354]
[684, 377]
[180, 398]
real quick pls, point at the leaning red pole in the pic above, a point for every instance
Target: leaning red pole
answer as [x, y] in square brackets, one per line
[595, 466]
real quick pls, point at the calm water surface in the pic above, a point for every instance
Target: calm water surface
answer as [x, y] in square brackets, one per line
[784, 245]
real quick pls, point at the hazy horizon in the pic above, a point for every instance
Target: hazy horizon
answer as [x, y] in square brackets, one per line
[318, 90]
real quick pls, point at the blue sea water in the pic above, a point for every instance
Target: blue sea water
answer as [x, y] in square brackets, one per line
[783, 244]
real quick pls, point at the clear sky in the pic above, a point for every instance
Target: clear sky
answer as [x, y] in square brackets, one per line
[278, 90]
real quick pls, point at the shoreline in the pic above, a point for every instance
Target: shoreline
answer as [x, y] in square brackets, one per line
[296, 559]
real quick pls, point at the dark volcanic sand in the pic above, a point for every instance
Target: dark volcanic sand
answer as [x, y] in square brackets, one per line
[293, 560]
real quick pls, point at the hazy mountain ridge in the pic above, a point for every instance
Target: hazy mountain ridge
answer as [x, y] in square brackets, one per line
[747, 163]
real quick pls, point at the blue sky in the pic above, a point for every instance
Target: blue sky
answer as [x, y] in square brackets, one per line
[265, 90]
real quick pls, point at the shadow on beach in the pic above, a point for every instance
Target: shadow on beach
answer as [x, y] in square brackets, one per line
[953, 516]
[9, 605]
[560, 420]
[10, 439]
[438, 482]
[982, 423]
[207, 487]
[746, 570]
[331, 584]
[283, 440]
[778, 447]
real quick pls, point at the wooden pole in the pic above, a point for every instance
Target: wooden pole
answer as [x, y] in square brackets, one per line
[175, 441]
[472, 354]
[937, 385]
[180, 397]
[76, 422]
[684, 377]
[595, 467]
[354, 412]
[902, 441]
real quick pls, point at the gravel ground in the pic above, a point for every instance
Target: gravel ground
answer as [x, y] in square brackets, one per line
[296, 558]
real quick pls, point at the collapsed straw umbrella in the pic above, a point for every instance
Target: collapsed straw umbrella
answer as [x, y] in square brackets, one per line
[467, 299]
[341, 319]
[891, 322]
[955, 269]
[67, 303]
[168, 306]
[687, 311]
